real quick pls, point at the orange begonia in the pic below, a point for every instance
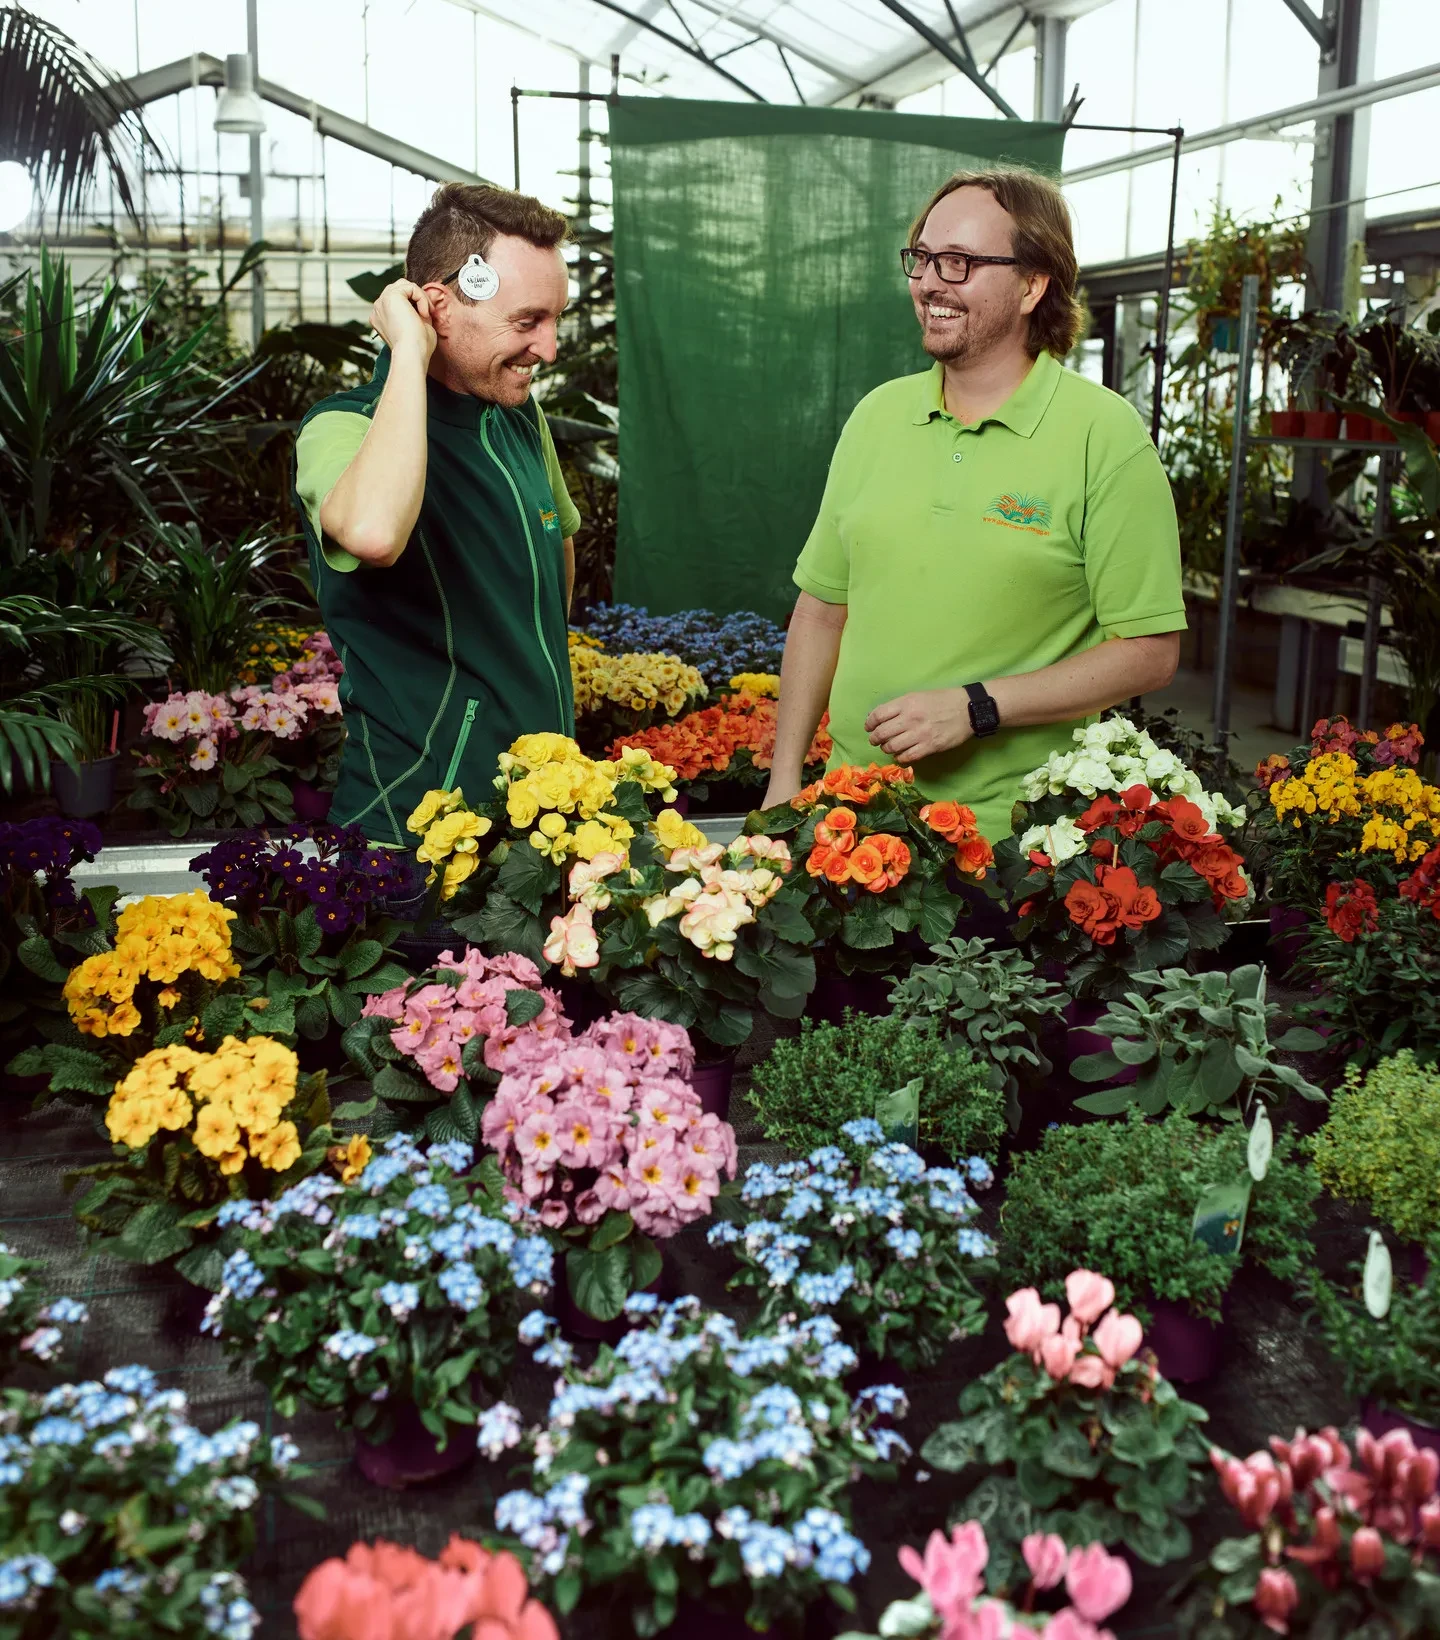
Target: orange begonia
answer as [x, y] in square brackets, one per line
[974, 856]
[867, 867]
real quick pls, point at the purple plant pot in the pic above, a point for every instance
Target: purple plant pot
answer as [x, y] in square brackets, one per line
[681, 805]
[696, 1622]
[1380, 1420]
[412, 1456]
[1287, 936]
[713, 1084]
[574, 1322]
[311, 804]
[1188, 1347]
[863, 993]
[1417, 1262]
[1080, 1040]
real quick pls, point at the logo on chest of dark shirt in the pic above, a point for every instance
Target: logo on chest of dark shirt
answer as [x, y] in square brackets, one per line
[1015, 510]
[549, 518]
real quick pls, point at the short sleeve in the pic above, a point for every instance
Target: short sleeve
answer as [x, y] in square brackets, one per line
[823, 568]
[1132, 550]
[565, 506]
[327, 444]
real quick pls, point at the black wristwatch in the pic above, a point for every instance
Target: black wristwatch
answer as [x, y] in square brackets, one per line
[984, 713]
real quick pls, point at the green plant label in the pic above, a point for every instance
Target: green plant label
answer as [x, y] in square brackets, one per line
[1262, 1142]
[899, 1113]
[1379, 1277]
[1220, 1216]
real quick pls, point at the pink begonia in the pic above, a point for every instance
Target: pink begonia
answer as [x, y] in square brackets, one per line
[572, 943]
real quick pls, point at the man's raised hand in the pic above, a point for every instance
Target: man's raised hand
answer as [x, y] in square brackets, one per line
[401, 317]
[920, 724]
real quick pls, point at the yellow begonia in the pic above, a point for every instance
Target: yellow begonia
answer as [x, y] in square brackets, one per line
[431, 806]
[278, 1148]
[673, 831]
[457, 868]
[460, 830]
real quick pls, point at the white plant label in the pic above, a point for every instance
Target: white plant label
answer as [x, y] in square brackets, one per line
[477, 279]
[1379, 1277]
[1262, 1142]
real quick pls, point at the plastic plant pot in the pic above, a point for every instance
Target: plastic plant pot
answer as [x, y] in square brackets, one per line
[1380, 1420]
[1188, 1347]
[311, 804]
[1080, 1039]
[834, 993]
[1359, 428]
[713, 1083]
[575, 1323]
[86, 790]
[1287, 935]
[1320, 424]
[1287, 423]
[412, 1456]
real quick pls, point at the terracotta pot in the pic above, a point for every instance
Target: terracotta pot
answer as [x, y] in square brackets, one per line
[412, 1456]
[311, 804]
[1287, 423]
[1080, 1040]
[1287, 935]
[1358, 427]
[1380, 1420]
[1320, 423]
[1432, 426]
[1188, 1347]
[834, 993]
[713, 1083]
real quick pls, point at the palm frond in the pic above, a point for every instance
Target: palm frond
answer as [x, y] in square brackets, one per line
[28, 744]
[63, 115]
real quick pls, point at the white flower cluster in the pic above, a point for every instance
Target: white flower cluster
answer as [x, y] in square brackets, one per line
[1110, 756]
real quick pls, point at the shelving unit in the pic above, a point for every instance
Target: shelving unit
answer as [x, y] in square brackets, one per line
[1235, 515]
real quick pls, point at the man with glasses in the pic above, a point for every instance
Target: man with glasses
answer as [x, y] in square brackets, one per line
[996, 557]
[439, 526]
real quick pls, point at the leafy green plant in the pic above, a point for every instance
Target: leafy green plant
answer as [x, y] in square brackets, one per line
[1121, 1197]
[27, 1316]
[865, 1232]
[400, 1288]
[1379, 992]
[1077, 1436]
[812, 1084]
[1202, 1045]
[1380, 1146]
[992, 998]
[1394, 1360]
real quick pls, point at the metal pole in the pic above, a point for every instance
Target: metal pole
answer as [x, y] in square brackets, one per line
[1374, 598]
[1235, 510]
[515, 131]
[1162, 313]
[257, 184]
[583, 203]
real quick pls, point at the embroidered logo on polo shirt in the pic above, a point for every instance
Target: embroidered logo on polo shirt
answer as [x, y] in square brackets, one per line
[1019, 512]
[548, 519]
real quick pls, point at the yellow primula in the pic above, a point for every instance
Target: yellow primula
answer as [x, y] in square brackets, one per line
[641, 683]
[278, 1148]
[764, 684]
[350, 1159]
[216, 1130]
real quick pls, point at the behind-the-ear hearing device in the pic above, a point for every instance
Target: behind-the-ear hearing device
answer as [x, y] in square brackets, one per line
[477, 279]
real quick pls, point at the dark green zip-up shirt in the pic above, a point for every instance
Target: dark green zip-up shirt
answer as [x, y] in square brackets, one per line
[460, 646]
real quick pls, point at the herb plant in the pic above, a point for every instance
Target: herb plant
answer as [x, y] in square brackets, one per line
[396, 1289]
[1121, 1197]
[1394, 1360]
[695, 1462]
[812, 1084]
[992, 998]
[863, 1231]
[121, 1520]
[1380, 1146]
[1202, 1044]
[1078, 1435]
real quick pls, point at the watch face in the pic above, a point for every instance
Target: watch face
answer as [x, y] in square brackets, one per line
[984, 716]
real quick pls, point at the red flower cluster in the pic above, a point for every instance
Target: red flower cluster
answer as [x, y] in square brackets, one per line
[1351, 910]
[1400, 743]
[1114, 901]
[1423, 884]
[705, 742]
[1187, 837]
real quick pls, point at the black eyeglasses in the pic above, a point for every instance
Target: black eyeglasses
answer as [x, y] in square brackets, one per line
[952, 266]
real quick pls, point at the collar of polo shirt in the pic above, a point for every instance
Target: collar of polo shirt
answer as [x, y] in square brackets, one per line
[1021, 412]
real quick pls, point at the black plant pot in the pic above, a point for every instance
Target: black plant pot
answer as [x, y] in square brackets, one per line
[87, 790]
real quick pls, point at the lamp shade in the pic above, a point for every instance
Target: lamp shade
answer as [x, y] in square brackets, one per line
[239, 109]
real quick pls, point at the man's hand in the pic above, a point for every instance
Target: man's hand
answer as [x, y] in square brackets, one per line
[920, 724]
[401, 317]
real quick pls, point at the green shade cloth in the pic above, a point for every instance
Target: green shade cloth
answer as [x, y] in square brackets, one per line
[758, 298]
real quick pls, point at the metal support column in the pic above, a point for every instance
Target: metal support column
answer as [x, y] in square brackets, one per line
[1050, 67]
[1375, 597]
[1235, 512]
[257, 184]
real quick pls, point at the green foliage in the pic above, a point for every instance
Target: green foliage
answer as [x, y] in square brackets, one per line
[1379, 993]
[992, 998]
[1381, 1144]
[1202, 1044]
[830, 1074]
[1395, 1360]
[242, 790]
[1124, 1465]
[1121, 1197]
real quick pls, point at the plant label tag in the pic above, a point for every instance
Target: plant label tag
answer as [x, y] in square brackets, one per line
[1220, 1216]
[477, 279]
[1262, 1142]
[898, 1113]
[1379, 1277]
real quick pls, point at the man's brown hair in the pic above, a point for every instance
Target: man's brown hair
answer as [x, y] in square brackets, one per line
[1043, 243]
[466, 217]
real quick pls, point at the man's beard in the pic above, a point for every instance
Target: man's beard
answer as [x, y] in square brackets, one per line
[966, 342]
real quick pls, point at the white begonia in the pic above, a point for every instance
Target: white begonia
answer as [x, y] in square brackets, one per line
[1090, 775]
[1062, 841]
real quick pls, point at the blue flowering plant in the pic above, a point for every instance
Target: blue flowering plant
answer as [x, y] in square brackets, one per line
[863, 1232]
[401, 1288]
[120, 1520]
[718, 646]
[694, 1462]
[29, 1321]
[312, 916]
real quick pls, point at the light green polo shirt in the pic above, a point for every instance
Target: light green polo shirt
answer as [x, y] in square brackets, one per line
[970, 552]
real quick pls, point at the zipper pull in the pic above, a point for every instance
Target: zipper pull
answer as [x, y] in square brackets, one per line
[469, 717]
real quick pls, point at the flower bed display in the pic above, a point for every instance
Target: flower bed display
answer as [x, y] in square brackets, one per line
[1115, 870]
[603, 1143]
[621, 694]
[863, 1231]
[718, 645]
[399, 1289]
[119, 1517]
[1076, 1436]
[696, 1463]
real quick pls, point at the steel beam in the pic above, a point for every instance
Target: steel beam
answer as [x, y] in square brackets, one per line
[964, 64]
[1321, 29]
[680, 45]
